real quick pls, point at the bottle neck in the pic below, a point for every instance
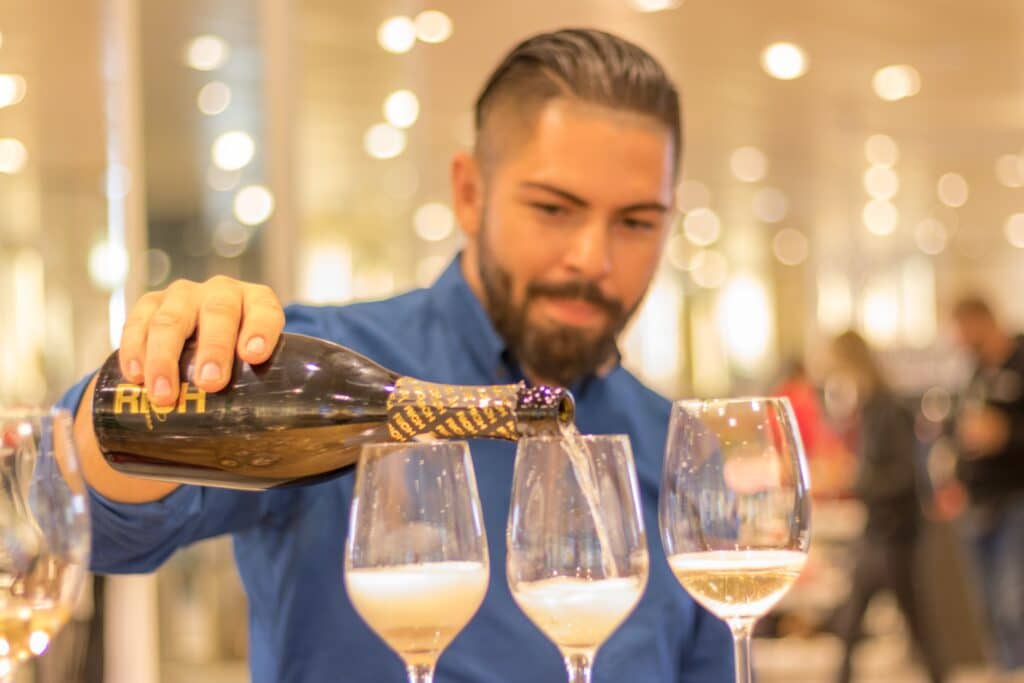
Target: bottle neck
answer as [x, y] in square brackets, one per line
[507, 411]
[544, 410]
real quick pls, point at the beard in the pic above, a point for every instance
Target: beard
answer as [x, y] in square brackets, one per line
[556, 353]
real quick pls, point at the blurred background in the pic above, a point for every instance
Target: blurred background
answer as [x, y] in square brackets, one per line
[858, 166]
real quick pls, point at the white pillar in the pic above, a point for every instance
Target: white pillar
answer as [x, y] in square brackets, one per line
[280, 87]
[131, 638]
[132, 652]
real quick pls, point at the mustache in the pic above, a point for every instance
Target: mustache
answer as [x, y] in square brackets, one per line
[583, 290]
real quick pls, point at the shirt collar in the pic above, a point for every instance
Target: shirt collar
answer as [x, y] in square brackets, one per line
[462, 311]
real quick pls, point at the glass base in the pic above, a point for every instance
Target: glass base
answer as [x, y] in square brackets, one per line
[578, 665]
[418, 673]
[741, 632]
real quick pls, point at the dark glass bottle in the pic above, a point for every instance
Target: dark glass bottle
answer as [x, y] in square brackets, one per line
[300, 417]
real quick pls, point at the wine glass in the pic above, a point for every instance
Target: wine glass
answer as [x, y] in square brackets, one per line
[734, 508]
[577, 551]
[416, 566]
[44, 532]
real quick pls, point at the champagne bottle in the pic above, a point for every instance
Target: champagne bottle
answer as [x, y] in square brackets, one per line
[300, 417]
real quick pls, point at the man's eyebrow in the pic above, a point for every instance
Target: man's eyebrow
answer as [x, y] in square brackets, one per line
[646, 206]
[579, 201]
[564, 194]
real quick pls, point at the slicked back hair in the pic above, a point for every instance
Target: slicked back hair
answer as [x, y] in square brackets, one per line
[587, 65]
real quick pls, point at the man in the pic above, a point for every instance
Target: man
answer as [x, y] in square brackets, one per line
[990, 435]
[886, 484]
[566, 204]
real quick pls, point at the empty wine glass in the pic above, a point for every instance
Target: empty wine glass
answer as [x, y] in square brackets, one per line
[577, 551]
[734, 508]
[44, 532]
[416, 566]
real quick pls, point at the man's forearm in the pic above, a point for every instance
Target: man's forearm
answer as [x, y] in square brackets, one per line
[107, 481]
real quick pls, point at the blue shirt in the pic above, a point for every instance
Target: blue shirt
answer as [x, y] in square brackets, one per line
[289, 543]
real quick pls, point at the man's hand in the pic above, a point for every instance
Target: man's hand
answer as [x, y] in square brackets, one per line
[230, 316]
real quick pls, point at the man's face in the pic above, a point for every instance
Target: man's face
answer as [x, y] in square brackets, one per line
[572, 225]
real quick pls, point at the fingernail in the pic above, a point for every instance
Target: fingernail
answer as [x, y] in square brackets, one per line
[161, 388]
[134, 368]
[255, 345]
[210, 372]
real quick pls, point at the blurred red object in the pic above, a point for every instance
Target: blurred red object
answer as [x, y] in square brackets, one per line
[831, 463]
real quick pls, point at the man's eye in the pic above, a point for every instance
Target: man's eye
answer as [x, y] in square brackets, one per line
[636, 224]
[549, 209]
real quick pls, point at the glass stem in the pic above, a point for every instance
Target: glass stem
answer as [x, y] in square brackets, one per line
[578, 666]
[741, 630]
[420, 673]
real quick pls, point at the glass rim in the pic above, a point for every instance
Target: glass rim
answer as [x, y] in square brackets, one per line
[588, 438]
[33, 413]
[460, 445]
[703, 403]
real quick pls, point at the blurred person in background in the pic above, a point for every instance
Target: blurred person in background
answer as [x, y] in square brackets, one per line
[989, 432]
[566, 203]
[886, 483]
[828, 459]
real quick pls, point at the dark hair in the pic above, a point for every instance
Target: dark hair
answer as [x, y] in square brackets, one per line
[972, 306]
[792, 367]
[589, 65]
[852, 351]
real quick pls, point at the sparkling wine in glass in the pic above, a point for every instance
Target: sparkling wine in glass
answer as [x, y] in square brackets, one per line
[416, 566]
[577, 551]
[734, 508]
[44, 532]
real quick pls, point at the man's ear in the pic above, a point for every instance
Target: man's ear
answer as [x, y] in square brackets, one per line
[467, 193]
